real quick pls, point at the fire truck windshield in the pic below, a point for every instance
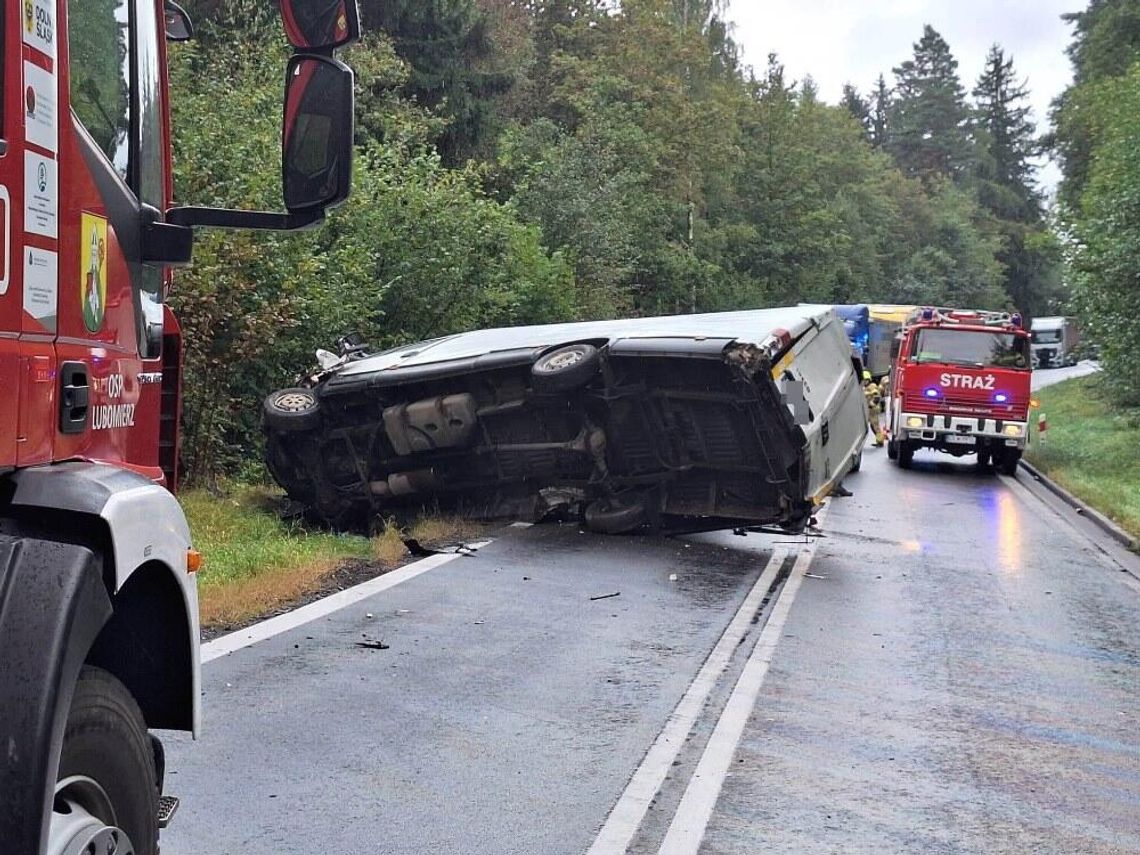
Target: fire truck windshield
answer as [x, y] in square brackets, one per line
[972, 348]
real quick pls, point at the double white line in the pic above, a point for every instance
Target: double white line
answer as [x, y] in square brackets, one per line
[687, 829]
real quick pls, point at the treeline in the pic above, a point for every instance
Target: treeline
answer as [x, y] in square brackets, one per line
[1097, 136]
[524, 161]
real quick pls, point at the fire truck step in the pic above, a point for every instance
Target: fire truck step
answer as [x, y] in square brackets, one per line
[167, 807]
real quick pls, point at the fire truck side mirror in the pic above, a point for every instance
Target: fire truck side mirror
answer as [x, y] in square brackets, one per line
[317, 135]
[320, 26]
[179, 27]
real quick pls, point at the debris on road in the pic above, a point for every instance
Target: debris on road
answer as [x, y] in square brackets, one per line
[372, 644]
[605, 596]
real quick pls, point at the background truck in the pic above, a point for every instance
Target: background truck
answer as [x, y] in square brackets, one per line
[886, 322]
[961, 384]
[98, 604]
[872, 330]
[1054, 342]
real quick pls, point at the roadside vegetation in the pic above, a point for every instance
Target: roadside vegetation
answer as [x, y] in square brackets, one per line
[1092, 448]
[524, 161]
[257, 561]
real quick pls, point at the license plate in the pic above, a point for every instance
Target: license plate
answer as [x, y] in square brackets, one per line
[960, 439]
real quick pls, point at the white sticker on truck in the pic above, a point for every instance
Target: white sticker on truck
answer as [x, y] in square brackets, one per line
[41, 196]
[41, 286]
[40, 114]
[39, 25]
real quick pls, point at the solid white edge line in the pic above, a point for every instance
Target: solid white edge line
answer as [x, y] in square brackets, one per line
[266, 629]
[687, 830]
[627, 815]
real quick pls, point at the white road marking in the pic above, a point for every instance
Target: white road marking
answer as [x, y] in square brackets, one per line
[687, 829]
[259, 632]
[627, 815]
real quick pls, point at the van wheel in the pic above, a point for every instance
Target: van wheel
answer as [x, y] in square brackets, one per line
[565, 368]
[106, 800]
[858, 464]
[292, 410]
[614, 516]
[906, 454]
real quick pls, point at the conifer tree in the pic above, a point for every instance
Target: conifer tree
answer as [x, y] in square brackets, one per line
[448, 48]
[1004, 179]
[880, 113]
[857, 106]
[929, 118]
[1006, 141]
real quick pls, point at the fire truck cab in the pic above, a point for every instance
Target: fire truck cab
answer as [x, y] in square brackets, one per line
[960, 383]
[98, 602]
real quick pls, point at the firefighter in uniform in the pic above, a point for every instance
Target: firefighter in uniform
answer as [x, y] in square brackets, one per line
[874, 397]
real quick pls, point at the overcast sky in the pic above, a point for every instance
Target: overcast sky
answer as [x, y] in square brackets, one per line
[841, 41]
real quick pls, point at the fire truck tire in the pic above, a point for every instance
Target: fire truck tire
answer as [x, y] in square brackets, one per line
[565, 368]
[983, 458]
[892, 450]
[1008, 462]
[292, 410]
[107, 793]
[906, 454]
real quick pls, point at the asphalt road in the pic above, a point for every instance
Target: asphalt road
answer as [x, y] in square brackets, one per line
[1043, 377]
[955, 667]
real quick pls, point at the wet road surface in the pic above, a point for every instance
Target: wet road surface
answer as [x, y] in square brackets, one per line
[955, 669]
[1043, 377]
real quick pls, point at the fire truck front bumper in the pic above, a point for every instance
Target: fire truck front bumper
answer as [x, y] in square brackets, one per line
[962, 434]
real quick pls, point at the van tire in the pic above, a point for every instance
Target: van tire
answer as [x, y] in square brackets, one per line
[292, 410]
[609, 516]
[565, 368]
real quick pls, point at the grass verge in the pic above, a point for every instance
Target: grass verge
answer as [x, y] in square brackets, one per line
[1091, 449]
[257, 563]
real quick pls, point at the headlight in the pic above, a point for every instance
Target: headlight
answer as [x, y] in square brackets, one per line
[915, 421]
[1013, 430]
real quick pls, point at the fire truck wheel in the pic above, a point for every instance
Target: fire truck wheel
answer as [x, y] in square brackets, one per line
[983, 458]
[292, 410]
[1009, 461]
[106, 800]
[892, 450]
[565, 368]
[906, 454]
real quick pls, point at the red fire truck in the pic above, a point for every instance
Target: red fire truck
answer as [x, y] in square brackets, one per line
[960, 383]
[98, 604]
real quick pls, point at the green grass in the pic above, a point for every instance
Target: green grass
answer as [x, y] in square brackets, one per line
[241, 536]
[1091, 449]
[256, 562]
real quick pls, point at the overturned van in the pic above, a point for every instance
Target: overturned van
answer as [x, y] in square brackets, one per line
[685, 423]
